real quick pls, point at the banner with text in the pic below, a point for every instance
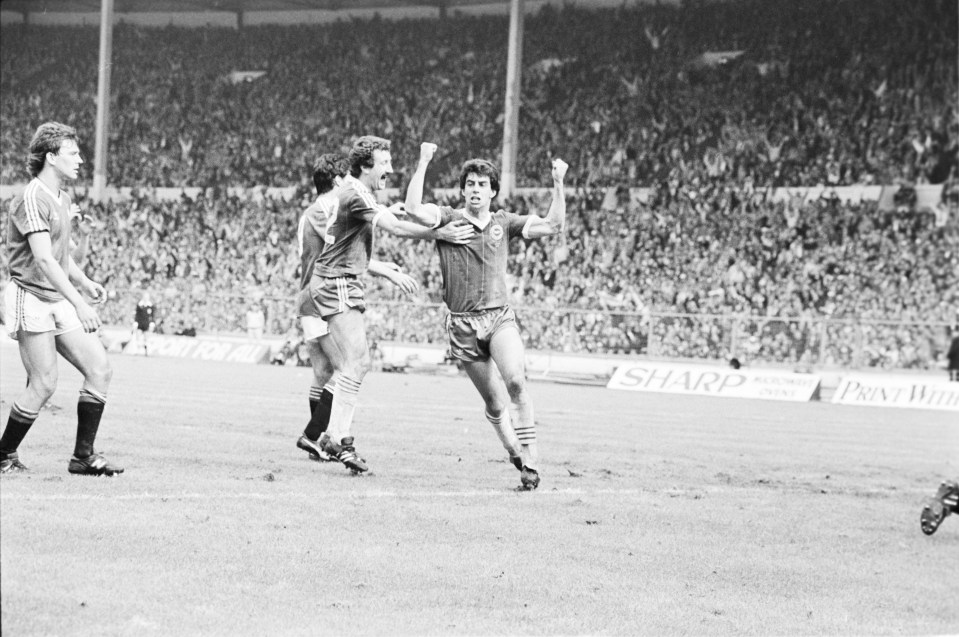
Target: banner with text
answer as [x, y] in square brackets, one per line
[726, 382]
[203, 349]
[897, 391]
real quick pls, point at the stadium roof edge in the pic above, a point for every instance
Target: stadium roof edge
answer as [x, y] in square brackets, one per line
[232, 6]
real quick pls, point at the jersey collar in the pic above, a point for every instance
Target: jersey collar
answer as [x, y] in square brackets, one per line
[479, 222]
[56, 197]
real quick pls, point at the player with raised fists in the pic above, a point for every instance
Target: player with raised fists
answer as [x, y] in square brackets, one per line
[482, 328]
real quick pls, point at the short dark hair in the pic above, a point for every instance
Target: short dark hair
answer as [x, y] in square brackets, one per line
[362, 152]
[48, 139]
[480, 167]
[326, 169]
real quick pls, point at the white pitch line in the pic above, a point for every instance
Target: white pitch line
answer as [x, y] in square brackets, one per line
[368, 495]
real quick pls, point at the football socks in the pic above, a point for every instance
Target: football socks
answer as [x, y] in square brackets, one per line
[320, 411]
[89, 411]
[18, 424]
[343, 406]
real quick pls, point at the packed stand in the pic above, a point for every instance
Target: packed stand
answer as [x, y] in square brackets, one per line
[832, 93]
[825, 91]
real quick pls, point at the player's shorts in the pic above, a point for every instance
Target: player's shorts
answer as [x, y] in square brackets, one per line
[335, 296]
[470, 333]
[28, 312]
[309, 316]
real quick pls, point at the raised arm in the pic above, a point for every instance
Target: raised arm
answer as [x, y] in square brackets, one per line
[427, 214]
[555, 220]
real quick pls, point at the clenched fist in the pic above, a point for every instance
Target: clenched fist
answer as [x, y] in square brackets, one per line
[559, 169]
[427, 150]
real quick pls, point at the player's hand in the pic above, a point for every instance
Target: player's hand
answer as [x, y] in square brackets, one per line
[559, 170]
[404, 282]
[390, 266]
[96, 292]
[88, 317]
[398, 209]
[427, 150]
[459, 231]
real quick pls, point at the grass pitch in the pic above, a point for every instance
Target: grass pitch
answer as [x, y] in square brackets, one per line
[657, 515]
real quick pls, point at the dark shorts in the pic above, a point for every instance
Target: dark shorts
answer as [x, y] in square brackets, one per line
[470, 333]
[335, 296]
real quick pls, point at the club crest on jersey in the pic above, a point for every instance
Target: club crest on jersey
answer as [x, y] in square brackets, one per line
[496, 232]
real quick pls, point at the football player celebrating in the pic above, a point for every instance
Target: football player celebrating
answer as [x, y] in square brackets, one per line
[339, 293]
[482, 328]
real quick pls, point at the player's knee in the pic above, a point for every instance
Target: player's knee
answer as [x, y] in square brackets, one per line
[43, 383]
[357, 367]
[495, 408]
[100, 374]
[516, 386]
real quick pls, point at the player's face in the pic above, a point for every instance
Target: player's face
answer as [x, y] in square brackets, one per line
[67, 160]
[382, 166]
[478, 193]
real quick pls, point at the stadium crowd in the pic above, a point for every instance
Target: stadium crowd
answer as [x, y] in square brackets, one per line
[860, 92]
[857, 91]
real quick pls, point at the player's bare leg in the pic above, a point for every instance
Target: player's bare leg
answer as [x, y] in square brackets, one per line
[39, 355]
[85, 352]
[507, 351]
[348, 331]
[490, 386]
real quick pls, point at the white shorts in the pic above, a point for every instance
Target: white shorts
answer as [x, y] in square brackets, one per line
[313, 327]
[28, 312]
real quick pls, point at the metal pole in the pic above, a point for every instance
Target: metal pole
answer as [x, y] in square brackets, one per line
[103, 101]
[514, 64]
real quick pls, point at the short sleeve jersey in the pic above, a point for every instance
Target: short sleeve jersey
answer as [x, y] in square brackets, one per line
[349, 234]
[474, 273]
[311, 233]
[38, 209]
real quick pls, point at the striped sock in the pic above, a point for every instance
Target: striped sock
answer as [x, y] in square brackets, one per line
[504, 429]
[526, 435]
[18, 424]
[315, 392]
[89, 411]
[343, 407]
[320, 418]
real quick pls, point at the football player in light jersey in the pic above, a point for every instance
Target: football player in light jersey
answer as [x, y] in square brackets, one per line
[482, 327]
[328, 174]
[44, 308]
[338, 290]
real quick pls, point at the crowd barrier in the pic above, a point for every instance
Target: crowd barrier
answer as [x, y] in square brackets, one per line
[623, 373]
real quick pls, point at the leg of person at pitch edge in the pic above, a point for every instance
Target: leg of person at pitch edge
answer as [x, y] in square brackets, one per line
[507, 351]
[348, 330]
[38, 352]
[938, 508]
[85, 352]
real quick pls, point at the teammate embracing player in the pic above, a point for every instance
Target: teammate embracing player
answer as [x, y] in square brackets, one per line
[482, 327]
[328, 174]
[338, 291]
